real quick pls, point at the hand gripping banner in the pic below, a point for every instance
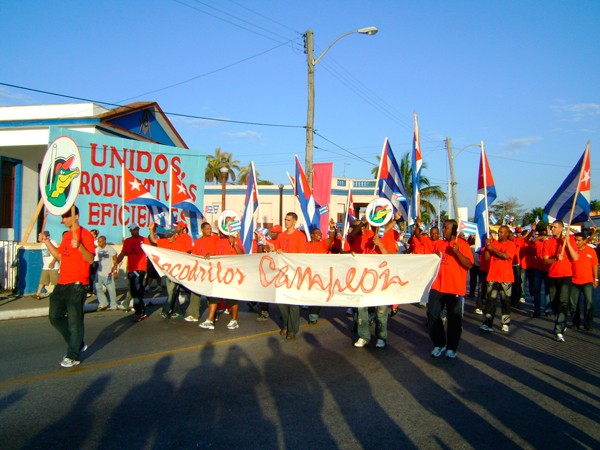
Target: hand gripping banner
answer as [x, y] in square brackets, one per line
[299, 279]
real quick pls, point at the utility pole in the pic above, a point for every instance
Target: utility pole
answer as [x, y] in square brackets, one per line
[451, 159]
[449, 201]
[310, 117]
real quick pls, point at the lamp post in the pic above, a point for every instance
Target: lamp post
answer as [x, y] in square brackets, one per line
[310, 117]
[224, 171]
[280, 204]
[453, 182]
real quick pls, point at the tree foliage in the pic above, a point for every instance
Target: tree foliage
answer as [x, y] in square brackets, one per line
[511, 206]
[215, 162]
[244, 174]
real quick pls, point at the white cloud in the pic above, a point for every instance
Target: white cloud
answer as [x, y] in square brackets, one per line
[576, 112]
[197, 123]
[514, 145]
[244, 135]
[14, 96]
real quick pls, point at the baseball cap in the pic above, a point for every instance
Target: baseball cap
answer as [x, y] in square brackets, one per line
[133, 226]
[170, 232]
[277, 229]
[181, 224]
[518, 229]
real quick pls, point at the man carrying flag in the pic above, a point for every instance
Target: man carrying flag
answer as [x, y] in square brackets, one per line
[390, 183]
[486, 194]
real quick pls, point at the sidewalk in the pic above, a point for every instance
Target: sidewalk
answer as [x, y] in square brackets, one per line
[27, 306]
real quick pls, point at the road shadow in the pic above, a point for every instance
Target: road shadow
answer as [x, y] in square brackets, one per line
[71, 430]
[11, 399]
[355, 400]
[299, 400]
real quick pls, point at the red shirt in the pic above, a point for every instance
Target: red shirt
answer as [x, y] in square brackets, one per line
[539, 256]
[136, 258]
[452, 277]
[73, 268]
[583, 268]
[484, 264]
[501, 269]
[519, 243]
[175, 245]
[360, 242]
[291, 243]
[388, 240]
[552, 249]
[337, 243]
[224, 247]
[186, 240]
[527, 255]
[317, 247]
[204, 245]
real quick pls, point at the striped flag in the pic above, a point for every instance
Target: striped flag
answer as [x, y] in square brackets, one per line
[211, 209]
[509, 218]
[467, 228]
[262, 235]
[135, 193]
[234, 226]
[308, 207]
[417, 163]
[390, 182]
[486, 194]
[350, 214]
[250, 207]
[537, 220]
[577, 183]
[323, 210]
[493, 219]
[181, 199]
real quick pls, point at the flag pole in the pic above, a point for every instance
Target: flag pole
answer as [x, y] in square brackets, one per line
[346, 226]
[170, 195]
[484, 169]
[380, 164]
[257, 199]
[123, 198]
[586, 155]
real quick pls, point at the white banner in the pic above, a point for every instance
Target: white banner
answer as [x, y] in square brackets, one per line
[300, 279]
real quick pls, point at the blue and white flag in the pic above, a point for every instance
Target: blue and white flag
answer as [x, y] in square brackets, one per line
[211, 209]
[577, 182]
[467, 228]
[194, 222]
[308, 207]
[234, 226]
[509, 218]
[486, 194]
[324, 210]
[390, 184]
[493, 219]
[417, 163]
[159, 214]
[251, 205]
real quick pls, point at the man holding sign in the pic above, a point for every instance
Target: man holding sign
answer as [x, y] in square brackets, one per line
[76, 254]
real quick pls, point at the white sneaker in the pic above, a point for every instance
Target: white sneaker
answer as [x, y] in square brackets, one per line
[478, 311]
[121, 307]
[227, 311]
[68, 362]
[451, 354]
[208, 325]
[505, 328]
[484, 327]
[521, 300]
[559, 337]
[190, 319]
[361, 343]
[380, 343]
[181, 299]
[232, 325]
[437, 351]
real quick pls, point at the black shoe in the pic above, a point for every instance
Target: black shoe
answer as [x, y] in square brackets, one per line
[354, 329]
[394, 312]
[536, 315]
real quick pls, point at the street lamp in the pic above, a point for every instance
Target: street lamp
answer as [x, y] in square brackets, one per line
[310, 118]
[224, 171]
[451, 159]
[280, 204]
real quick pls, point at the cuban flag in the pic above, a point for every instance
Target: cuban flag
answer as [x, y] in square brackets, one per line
[251, 205]
[493, 219]
[467, 228]
[308, 207]
[181, 199]
[390, 182]
[486, 194]
[262, 235]
[509, 218]
[135, 193]
[211, 209]
[350, 214]
[564, 202]
[417, 163]
[235, 226]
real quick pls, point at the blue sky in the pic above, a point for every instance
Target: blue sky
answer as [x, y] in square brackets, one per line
[522, 76]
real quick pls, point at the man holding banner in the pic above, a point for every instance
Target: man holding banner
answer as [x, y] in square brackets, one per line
[75, 253]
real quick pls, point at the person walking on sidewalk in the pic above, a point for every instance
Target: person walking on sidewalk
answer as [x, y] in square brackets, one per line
[105, 276]
[136, 269]
[76, 254]
[49, 277]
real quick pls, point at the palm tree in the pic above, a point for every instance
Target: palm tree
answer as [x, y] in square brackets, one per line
[244, 174]
[428, 192]
[595, 206]
[223, 159]
[212, 172]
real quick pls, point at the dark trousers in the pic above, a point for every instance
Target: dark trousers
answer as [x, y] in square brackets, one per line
[453, 304]
[588, 313]
[516, 293]
[290, 316]
[136, 286]
[313, 313]
[473, 276]
[527, 276]
[66, 315]
[482, 278]
[497, 289]
[172, 305]
[560, 295]
[541, 279]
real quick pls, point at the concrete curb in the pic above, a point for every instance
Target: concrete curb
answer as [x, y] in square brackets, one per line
[30, 313]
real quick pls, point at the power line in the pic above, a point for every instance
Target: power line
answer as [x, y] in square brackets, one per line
[342, 148]
[189, 116]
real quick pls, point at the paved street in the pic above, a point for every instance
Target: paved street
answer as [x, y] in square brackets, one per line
[167, 384]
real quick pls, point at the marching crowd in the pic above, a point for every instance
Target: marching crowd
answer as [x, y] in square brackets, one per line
[566, 269]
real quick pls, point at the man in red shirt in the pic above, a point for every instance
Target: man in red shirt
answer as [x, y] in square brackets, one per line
[541, 275]
[384, 245]
[560, 275]
[204, 245]
[136, 270]
[448, 289]
[290, 241]
[172, 306]
[225, 245]
[585, 278]
[500, 278]
[76, 254]
[319, 246]
[183, 237]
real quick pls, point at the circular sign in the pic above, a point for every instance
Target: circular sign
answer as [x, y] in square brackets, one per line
[60, 175]
[379, 212]
[229, 222]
